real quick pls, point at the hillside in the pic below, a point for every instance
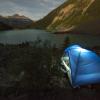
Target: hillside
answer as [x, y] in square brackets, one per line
[15, 22]
[81, 16]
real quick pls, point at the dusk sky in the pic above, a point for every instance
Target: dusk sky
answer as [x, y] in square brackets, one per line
[34, 9]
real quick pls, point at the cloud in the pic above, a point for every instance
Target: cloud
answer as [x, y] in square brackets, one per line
[46, 1]
[35, 9]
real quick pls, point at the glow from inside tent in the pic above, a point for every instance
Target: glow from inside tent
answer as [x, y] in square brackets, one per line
[81, 50]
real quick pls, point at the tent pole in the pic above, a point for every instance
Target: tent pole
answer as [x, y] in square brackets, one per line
[77, 63]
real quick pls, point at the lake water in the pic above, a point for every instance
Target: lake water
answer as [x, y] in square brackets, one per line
[19, 36]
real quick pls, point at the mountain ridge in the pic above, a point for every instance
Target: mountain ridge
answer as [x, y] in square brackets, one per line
[73, 15]
[15, 21]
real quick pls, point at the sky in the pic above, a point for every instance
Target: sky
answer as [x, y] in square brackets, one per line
[34, 9]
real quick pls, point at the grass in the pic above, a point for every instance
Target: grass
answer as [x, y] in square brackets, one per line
[32, 71]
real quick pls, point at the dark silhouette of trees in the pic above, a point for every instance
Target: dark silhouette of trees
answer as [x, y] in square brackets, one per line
[66, 42]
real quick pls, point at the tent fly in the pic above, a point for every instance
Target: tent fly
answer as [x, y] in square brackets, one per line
[81, 65]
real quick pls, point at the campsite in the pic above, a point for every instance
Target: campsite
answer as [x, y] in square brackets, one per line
[49, 49]
[23, 81]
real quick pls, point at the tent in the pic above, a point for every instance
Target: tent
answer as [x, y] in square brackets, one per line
[81, 65]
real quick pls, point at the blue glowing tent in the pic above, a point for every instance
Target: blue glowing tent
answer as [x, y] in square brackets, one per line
[82, 65]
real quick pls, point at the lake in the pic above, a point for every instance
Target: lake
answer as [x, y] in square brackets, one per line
[19, 36]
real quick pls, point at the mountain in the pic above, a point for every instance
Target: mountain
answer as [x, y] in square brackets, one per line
[4, 26]
[15, 22]
[78, 16]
